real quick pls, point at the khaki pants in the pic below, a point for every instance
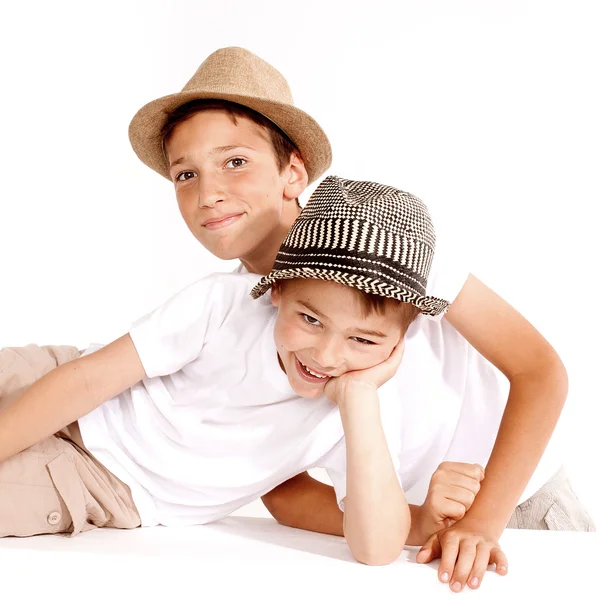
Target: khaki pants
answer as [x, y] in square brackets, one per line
[55, 486]
[554, 506]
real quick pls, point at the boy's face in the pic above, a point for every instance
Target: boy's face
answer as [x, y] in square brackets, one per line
[229, 189]
[322, 331]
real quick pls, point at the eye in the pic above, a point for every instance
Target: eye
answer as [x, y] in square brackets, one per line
[363, 341]
[310, 320]
[185, 175]
[235, 163]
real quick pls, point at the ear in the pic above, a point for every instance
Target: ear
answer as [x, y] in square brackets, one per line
[275, 295]
[296, 178]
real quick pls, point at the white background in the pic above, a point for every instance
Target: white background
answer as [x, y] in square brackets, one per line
[488, 111]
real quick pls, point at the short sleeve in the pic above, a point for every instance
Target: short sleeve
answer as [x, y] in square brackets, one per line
[173, 335]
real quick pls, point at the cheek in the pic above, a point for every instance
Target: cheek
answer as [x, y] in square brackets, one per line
[186, 204]
[259, 191]
[280, 334]
[287, 336]
[371, 357]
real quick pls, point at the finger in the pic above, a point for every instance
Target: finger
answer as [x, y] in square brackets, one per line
[458, 500]
[473, 470]
[430, 550]
[459, 480]
[452, 486]
[389, 367]
[479, 566]
[397, 353]
[449, 509]
[499, 558]
[481, 469]
[464, 564]
[449, 553]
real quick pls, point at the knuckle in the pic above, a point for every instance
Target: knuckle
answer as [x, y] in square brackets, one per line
[437, 476]
[449, 538]
[435, 488]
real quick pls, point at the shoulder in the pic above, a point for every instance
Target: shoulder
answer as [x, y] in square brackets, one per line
[224, 288]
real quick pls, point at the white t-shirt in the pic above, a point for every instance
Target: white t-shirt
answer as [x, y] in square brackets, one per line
[215, 424]
[446, 401]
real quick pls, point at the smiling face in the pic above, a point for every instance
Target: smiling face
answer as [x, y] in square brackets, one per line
[323, 330]
[230, 190]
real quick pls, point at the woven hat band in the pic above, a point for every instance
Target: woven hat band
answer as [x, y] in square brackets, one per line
[360, 238]
[361, 263]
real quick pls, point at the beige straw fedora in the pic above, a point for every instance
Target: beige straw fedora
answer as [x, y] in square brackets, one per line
[237, 75]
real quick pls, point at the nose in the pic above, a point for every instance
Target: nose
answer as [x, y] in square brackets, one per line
[209, 191]
[328, 353]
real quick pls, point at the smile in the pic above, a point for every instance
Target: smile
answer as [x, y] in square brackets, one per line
[309, 375]
[221, 222]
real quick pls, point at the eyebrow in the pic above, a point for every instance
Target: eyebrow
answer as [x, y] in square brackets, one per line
[311, 308]
[217, 150]
[369, 332]
[223, 149]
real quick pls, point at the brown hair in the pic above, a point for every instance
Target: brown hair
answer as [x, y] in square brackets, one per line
[380, 304]
[283, 147]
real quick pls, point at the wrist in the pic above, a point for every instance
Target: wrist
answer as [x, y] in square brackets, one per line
[358, 403]
[416, 536]
[489, 524]
[351, 388]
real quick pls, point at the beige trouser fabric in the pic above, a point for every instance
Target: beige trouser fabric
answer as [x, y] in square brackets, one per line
[55, 486]
[554, 506]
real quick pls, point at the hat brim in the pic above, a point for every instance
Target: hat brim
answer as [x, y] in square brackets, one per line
[428, 305]
[147, 124]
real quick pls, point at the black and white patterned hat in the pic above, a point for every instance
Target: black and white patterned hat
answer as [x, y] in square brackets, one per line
[369, 236]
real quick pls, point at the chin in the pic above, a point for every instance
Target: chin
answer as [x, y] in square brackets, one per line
[310, 394]
[223, 253]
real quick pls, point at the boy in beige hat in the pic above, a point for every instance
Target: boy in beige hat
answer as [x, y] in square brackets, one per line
[237, 175]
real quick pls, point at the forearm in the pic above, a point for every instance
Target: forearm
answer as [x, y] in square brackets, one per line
[532, 411]
[376, 514]
[305, 503]
[417, 536]
[53, 402]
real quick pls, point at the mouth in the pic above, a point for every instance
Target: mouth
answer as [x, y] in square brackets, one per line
[310, 375]
[221, 222]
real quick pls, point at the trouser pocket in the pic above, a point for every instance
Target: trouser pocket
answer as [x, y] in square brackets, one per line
[36, 495]
[567, 513]
[56, 487]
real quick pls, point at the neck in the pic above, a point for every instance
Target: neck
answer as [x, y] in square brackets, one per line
[262, 258]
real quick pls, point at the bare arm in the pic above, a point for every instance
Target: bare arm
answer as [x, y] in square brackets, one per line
[538, 389]
[67, 393]
[376, 514]
[305, 503]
